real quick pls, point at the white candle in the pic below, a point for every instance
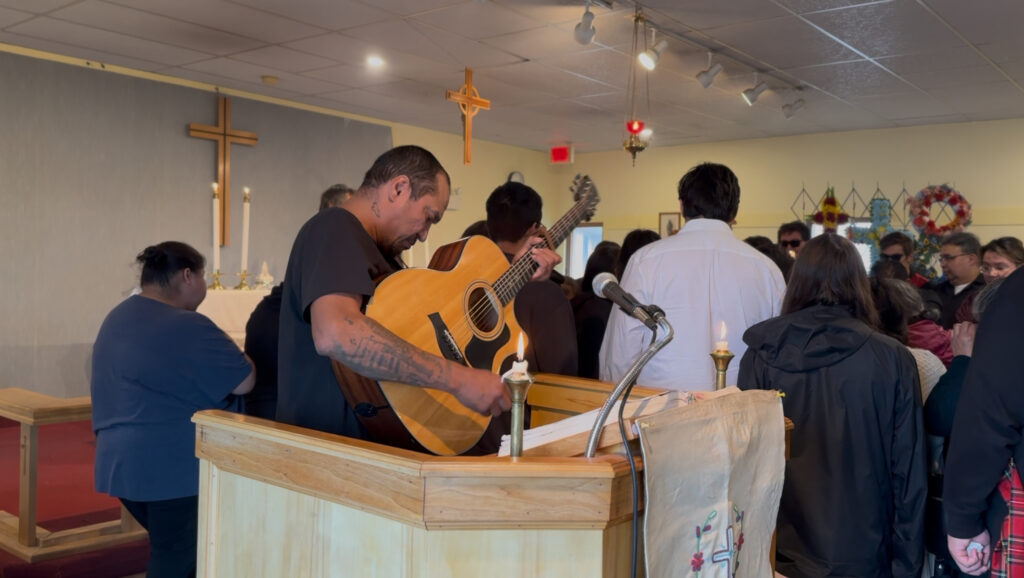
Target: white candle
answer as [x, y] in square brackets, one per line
[519, 366]
[216, 229]
[721, 344]
[245, 229]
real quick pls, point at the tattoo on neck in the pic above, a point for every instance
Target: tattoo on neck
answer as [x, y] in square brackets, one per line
[375, 209]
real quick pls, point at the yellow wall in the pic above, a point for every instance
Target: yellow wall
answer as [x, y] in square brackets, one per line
[982, 160]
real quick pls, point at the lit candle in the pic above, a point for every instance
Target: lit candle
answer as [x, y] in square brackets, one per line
[519, 365]
[721, 344]
[216, 229]
[245, 229]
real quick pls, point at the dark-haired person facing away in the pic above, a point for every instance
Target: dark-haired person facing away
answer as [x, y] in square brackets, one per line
[590, 311]
[154, 364]
[261, 330]
[701, 276]
[854, 495]
[336, 258]
[792, 236]
[631, 243]
[773, 252]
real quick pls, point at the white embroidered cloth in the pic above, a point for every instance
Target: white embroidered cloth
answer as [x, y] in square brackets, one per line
[713, 472]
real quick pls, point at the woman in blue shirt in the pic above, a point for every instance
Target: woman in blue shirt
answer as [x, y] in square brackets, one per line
[155, 363]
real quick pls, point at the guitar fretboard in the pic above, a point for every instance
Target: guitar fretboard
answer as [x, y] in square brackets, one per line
[519, 273]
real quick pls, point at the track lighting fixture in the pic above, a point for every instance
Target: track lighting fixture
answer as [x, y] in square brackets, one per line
[584, 31]
[788, 110]
[750, 95]
[707, 76]
[649, 58]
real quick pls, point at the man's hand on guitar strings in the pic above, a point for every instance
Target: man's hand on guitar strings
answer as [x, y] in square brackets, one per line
[480, 391]
[545, 258]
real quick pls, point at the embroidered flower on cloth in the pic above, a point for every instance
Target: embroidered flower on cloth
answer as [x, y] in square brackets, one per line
[697, 562]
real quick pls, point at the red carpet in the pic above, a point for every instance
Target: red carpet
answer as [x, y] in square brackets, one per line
[64, 499]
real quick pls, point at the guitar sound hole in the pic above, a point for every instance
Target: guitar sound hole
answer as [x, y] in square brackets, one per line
[482, 310]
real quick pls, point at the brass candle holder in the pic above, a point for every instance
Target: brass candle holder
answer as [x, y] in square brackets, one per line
[518, 383]
[242, 285]
[721, 357]
[216, 281]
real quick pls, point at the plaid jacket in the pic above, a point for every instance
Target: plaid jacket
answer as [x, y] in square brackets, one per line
[1008, 553]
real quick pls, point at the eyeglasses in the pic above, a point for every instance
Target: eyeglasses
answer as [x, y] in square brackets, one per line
[895, 258]
[948, 258]
[794, 243]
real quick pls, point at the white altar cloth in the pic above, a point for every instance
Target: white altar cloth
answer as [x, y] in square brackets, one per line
[230, 310]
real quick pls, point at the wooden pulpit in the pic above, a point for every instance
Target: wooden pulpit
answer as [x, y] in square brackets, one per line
[278, 500]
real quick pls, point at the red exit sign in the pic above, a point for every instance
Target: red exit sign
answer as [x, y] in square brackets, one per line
[560, 155]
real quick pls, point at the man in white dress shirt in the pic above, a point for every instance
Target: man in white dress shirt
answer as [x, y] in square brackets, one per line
[701, 277]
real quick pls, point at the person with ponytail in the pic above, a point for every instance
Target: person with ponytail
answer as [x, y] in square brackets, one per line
[154, 364]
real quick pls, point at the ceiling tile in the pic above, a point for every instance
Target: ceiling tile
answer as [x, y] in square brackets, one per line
[708, 15]
[850, 79]
[804, 45]
[504, 94]
[351, 75]
[955, 77]
[281, 58]
[87, 54]
[925, 120]
[401, 36]
[245, 72]
[228, 17]
[603, 65]
[807, 6]
[938, 59]
[35, 6]
[334, 46]
[984, 101]
[979, 23]
[410, 7]
[539, 43]
[412, 91]
[330, 14]
[47, 28]
[610, 29]
[467, 52]
[546, 79]
[477, 20]
[553, 12]
[886, 28]
[225, 82]
[8, 17]
[901, 106]
[139, 24]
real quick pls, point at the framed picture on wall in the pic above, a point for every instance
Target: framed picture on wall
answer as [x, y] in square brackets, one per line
[669, 224]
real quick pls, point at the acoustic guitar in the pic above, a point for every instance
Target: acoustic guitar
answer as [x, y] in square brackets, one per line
[459, 308]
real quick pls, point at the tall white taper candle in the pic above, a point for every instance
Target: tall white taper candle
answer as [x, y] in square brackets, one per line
[245, 229]
[216, 229]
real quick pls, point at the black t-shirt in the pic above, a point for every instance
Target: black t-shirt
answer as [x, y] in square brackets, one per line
[332, 254]
[261, 347]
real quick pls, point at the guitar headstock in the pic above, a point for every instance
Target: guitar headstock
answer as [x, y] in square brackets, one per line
[585, 193]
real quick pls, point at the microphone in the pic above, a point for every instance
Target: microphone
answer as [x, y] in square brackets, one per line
[607, 286]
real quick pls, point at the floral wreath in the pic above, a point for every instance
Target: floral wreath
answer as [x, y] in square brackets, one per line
[920, 210]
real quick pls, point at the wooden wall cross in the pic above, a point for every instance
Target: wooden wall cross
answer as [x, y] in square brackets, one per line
[225, 137]
[470, 103]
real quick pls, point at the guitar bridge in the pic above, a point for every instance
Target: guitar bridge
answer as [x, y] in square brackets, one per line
[445, 341]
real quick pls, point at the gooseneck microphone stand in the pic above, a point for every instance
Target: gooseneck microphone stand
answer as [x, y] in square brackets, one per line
[630, 378]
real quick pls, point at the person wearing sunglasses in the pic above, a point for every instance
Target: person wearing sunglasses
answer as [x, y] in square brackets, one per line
[792, 236]
[899, 248]
[960, 259]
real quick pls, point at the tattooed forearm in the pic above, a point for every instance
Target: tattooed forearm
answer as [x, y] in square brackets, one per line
[373, 351]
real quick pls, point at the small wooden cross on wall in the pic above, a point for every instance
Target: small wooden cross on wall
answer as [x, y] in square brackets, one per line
[470, 103]
[225, 137]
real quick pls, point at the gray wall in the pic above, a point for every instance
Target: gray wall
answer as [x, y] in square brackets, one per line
[95, 166]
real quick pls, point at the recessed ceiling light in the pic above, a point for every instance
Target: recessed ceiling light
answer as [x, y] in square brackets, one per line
[374, 61]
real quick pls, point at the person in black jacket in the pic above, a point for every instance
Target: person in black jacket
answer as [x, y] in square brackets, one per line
[854, 494]
[987, 426]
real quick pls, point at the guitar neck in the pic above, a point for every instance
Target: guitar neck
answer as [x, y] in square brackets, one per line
[519, 273]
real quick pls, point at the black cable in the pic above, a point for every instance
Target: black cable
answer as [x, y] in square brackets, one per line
[633, 479]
